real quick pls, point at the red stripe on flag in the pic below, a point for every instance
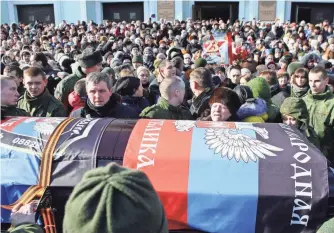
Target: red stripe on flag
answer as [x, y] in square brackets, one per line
[229, 40]
[162, 164]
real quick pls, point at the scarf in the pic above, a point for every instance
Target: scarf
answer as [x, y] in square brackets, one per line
[299, 91]
[101, 111]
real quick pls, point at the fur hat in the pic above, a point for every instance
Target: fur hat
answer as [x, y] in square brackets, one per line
[89, 58]
[227, 97]
[126, 85]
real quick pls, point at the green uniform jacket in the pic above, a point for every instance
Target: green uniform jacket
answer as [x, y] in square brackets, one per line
[163, 110]
[321, 112]
[12, 111]
[26, 228]
[44, 105]
[66, 86]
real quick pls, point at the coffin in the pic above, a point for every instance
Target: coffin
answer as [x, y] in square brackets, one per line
[211, 177]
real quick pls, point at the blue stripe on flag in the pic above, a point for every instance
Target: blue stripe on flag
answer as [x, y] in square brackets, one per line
[222, 193]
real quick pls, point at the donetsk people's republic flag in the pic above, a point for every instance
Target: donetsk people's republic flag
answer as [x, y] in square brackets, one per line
[232, 177]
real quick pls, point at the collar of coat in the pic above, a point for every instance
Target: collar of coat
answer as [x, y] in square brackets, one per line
[163, 103]
[327, 94]
[38, 100]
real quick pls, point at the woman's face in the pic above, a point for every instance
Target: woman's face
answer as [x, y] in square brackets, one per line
[219, 112]
[144, 77]
[300, 80]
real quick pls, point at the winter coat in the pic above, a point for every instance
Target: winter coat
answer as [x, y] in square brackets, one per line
[44, 105]
[112, 109]
[163, 110]
[75, 101]
[321, 112]
[296, 108]
[8, 111]
[261, 89]
[66, 86]
[279, 98]
[253, 111]
[137, 103]
[154, 92]
[200, 103]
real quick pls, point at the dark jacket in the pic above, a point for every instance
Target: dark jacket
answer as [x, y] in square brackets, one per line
[279, 98]
[112, 109]
[200, 103]
[44, 105]
[137, 103]
[8, 111]
[66, 86]
[163, 110]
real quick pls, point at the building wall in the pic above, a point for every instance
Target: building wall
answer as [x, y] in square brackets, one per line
[73, 10]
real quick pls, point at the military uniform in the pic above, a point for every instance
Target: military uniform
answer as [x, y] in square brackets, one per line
[321, 112]
[163, 110]
[44, 105]
[66, 86]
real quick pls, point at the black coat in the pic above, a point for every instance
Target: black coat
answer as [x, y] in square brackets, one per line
[112, 109]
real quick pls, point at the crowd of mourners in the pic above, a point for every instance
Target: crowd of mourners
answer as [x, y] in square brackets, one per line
[277, 73]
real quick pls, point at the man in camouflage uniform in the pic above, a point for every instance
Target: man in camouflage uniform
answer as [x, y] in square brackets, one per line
[37, 100]
[89, 61]
[169, 105]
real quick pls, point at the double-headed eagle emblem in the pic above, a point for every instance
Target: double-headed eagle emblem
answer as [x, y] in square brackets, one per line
[232, 143]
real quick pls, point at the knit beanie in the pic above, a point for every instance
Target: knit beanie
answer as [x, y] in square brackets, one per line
[114, 199]
[138, 59]
[89, 58]
[260, 88]
[126, 85]
[200, 62]
[293, 67]
[296, 108]
[227, 97]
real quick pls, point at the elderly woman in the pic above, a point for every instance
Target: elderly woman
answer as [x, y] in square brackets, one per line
[224, 105]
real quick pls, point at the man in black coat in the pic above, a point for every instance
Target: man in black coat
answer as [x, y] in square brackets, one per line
[101, 102]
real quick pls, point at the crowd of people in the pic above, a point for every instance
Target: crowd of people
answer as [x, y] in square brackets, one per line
[277, 73]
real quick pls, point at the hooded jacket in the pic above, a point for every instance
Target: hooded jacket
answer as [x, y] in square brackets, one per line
[253, 111]
[75, 101]
[296, 108]
[321, 112]
[261, 89]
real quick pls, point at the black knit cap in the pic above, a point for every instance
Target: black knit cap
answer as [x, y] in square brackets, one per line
[126, 86]
[89, 58]
[227, 97]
